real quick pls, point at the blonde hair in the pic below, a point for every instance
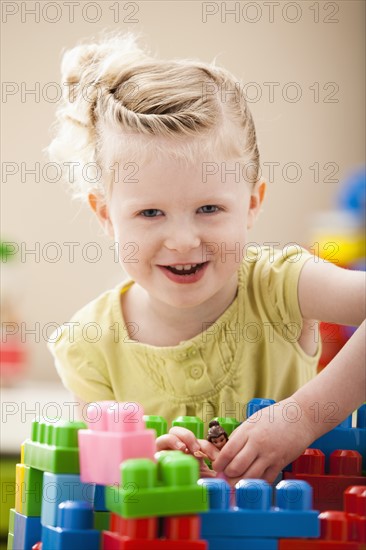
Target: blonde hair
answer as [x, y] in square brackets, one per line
[146, 108]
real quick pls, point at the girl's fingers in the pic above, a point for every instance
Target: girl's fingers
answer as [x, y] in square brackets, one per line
[186, 436]
[241, 462]
[256, 469]
[230, 451]
[170, 442]
[209, 449]
[270, 474]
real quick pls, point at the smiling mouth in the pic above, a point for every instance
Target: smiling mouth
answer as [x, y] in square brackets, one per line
[187, 269]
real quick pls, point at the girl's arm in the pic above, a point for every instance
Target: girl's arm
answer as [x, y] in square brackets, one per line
[265, 443]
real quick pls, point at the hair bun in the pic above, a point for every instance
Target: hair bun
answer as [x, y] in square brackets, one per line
[214, 423]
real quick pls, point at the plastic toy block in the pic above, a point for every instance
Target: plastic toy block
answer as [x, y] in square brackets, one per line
[168, 487]
[29, 490]
[305, 544]
[19, 484]
[344, 530]
[328, 489]
[37, 546]
[27, 531]
[253, 516]
[355, 507]
[74, 528]
[10, 545]
[112, 541]
[345, 437]
[115, 434]
[102, 521]
[257, 404]
[139, 528]
[157, 423]
[53, 447]
[99, 499]
[192, 423]
[60, 487]
[334, 535]
[179, 532]
[361, 416]
[229, 424]
[219, 543]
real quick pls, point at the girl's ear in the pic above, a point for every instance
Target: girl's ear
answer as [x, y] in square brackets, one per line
[256, 199]
[98, 205]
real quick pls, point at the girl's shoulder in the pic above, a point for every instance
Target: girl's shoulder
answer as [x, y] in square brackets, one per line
[90, 321]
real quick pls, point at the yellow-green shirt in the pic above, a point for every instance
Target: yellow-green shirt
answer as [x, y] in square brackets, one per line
[250, 351]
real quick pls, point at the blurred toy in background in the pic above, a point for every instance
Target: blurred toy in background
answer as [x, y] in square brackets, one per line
[12, 349]
[339, 237]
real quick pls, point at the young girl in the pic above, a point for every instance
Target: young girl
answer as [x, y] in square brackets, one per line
[205, 321]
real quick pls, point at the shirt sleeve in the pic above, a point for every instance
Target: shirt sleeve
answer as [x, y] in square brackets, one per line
[277, 280]
[80, 367]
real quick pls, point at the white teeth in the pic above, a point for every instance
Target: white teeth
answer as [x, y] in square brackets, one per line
[186, 267]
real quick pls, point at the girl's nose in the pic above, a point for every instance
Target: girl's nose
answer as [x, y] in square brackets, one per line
[182, 238]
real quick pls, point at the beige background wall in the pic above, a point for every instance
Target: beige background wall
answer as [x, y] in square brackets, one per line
[316, 46]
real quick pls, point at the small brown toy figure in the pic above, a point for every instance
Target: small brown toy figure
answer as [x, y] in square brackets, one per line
[217, 435]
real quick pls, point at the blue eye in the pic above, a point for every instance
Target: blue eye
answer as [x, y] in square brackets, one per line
[150, 213]
[209, 209]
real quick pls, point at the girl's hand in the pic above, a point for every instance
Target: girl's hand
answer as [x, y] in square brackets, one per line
[184, 440]
[266, 442]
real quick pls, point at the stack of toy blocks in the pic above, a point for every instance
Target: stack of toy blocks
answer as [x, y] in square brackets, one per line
[158, 501]
[328, 487]
[253, 523]
[25, 518]
[47, 476]
[345, 530]
[345, 437]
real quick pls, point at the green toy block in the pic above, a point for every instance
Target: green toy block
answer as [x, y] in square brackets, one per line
[53, 446]
[166, 488]
[227, 423]
[102, 521]
[157, 423]
[192, 423]
[31, 493]
[11, 529]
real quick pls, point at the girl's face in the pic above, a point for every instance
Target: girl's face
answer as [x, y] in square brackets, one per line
[181, 231]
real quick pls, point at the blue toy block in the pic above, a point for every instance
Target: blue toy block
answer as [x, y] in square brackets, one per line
[345, 437]
[74, 528]
[99, 499]
[253, 516]
[60, 487]
[27, 531]
[221, 543]
[257, 404]
[361, 416]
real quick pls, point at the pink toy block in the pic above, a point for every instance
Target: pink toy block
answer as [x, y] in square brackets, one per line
[116, 432]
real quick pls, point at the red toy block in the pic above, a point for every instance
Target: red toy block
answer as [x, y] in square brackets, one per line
[355, 507]
[180, 533]
[304, 544]
[328, 488]
[37, 546]
[116, 433]
[334, 535]
[112, 541]
[142, 528]
[182, 528]
[339, 530]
